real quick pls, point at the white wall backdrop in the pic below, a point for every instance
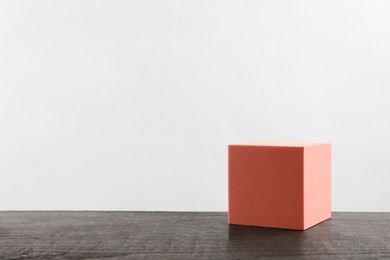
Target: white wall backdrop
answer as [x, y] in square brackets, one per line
[130, 105]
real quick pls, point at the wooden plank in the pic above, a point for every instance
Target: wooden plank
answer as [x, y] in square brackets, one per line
[185, 235]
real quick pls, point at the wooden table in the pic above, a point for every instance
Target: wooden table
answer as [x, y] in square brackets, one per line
[185, 235]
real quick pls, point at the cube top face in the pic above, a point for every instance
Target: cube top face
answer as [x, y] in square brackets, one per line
[281, 144]
[282, 185]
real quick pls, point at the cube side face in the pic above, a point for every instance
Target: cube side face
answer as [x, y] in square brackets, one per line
[266, 186]
[317, 184]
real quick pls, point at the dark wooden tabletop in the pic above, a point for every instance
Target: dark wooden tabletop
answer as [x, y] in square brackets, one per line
[185, 235]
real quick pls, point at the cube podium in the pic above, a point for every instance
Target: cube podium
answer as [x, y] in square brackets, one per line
[279, 184]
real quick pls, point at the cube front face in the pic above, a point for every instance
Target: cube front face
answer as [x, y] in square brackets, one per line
[279, 186]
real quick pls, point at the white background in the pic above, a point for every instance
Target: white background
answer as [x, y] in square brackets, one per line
[130, 105]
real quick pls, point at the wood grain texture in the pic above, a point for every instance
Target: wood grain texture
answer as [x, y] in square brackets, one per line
[185, 235]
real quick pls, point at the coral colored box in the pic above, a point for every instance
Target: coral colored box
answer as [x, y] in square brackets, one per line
[280, 185]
